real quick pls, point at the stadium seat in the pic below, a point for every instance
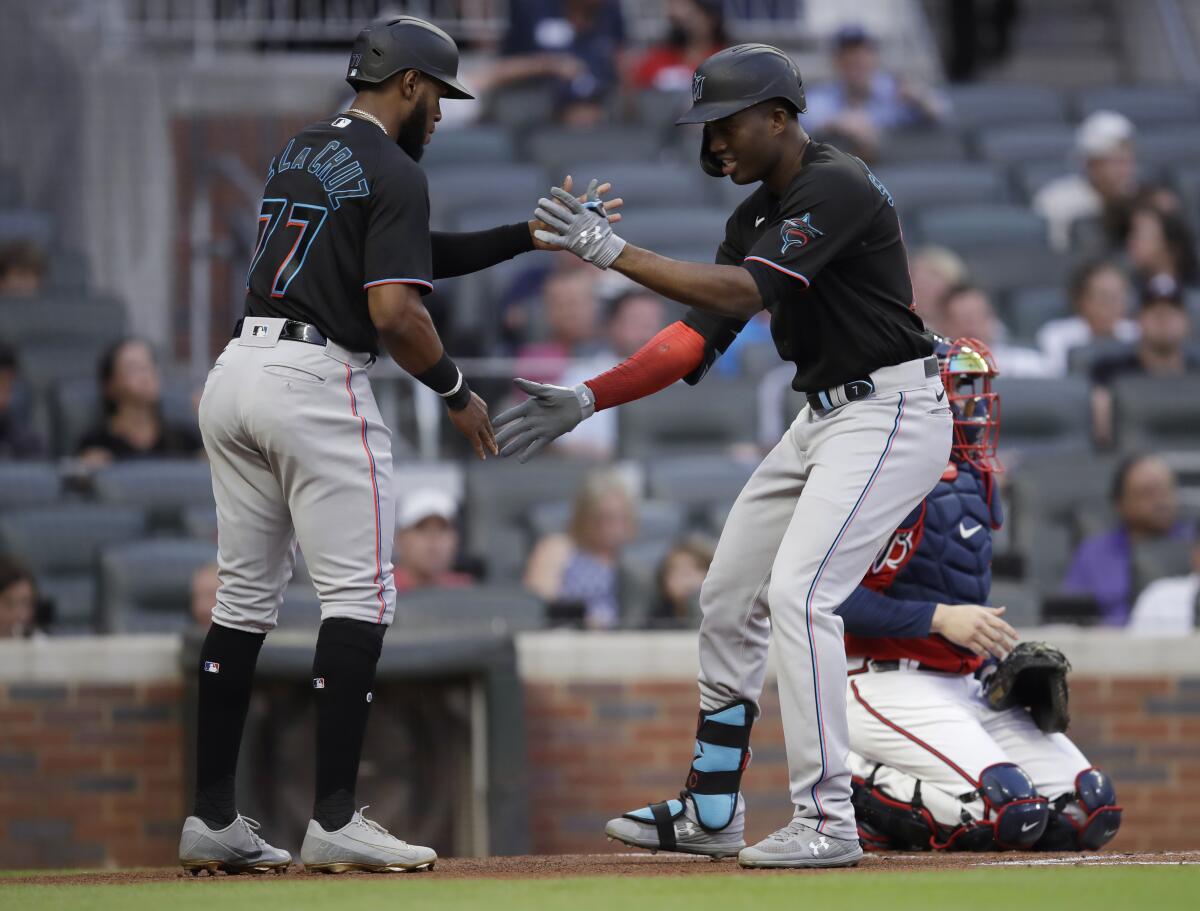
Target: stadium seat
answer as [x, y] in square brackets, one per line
[1155, 559]
[1159, 147]
[1043, 414]
[659, 522]
[27, 224]
[499, 495]
[1009, 266]
[681, 419]
[63, 316]
[473, 145]
[11, 195]
[69, 272]
[523, 105]
[74, 598]
[1019, 600]
[146, 586]
[161, 487]
[700, 483]
[915, 187]
[647, 184]
[66, 537]
[1029, 309]
[1081, 358]
[990, 104]
[662, 227]
[1032, 176]
[982, 226]
[25, 484]
[1143, 104]
[922, 146]
[1022, 143]
[1161, 413]
[560, 149]
[455, 188]
[490, 609]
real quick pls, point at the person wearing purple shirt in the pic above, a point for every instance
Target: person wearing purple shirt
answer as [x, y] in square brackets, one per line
[1147, 503]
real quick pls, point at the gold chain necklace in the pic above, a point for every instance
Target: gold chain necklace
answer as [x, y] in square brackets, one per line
[371, 117]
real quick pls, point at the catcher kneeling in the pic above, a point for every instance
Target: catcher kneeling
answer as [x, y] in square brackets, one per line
[951, 750]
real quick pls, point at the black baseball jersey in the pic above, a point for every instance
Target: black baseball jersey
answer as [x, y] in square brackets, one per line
[828, 258]
[344, 209]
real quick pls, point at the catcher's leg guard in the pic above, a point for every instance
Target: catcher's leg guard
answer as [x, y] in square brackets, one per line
[888, 824]
[1085, 819]
[722, 754]
[1015, 816]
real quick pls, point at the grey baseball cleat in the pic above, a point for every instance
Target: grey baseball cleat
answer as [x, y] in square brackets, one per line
[361, 844]
[675, 828]
[237, 848]
[799, 845]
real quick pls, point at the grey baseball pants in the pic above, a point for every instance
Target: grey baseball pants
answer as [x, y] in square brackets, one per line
[799, 539]
[299, 452]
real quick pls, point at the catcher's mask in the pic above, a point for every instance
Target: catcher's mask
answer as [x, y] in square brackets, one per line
[967, 368]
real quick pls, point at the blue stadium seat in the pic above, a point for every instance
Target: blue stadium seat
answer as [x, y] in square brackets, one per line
[69, 272]
[682, 419]
[24, 484]
[1007, 266]
[1143, 104]
[699, 482]
[1032, 176]
[146, 586]
[659, 110]
[1043, 414]
[496, 610]
[478, 146]
[74, 598]
[523, 105]
[915, 187]
[1167, 146]
[990, 104]
[161, 487]
[1157, 413]
[63, 317]
[455, 188]
[662, 227]
[1031, 308]
[1028, 142]
[982, 226]
[27, 224]
[922, 146]
[646, 184]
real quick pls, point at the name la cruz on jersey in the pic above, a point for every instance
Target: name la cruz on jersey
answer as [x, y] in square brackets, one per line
[334, 166]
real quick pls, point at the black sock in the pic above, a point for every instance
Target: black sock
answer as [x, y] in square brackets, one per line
[343, 674]
[226, 675]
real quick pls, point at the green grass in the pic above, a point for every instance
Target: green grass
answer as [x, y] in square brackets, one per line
[1010, 889]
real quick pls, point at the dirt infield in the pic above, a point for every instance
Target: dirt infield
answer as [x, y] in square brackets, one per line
[567, 865]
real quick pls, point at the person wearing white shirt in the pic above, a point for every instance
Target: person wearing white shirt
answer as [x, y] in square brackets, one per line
[1099, 295]
[1169, 607]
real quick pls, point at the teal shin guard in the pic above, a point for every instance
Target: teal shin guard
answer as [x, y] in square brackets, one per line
[722, 754]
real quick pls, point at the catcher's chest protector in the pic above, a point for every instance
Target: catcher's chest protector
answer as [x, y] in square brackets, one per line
[953, 563]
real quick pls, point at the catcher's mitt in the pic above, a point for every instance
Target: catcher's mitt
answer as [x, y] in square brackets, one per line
[1033, 676]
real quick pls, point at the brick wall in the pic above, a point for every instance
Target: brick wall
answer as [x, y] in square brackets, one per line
[93, 775]
[596, 750]
[90, 775]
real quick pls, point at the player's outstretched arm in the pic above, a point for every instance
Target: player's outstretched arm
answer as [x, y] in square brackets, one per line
[551, 411]
[575, 226]
[410, 338]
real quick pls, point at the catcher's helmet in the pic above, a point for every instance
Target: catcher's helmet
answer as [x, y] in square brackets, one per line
[735, 79]
[406, 43]
[967, 368]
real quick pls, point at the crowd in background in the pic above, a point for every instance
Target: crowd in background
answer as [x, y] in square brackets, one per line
[562, 321]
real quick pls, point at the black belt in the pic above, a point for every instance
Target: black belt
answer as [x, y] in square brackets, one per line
[837, 396]
[293, 331]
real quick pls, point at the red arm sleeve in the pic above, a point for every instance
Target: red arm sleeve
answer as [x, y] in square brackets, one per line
[671, 355]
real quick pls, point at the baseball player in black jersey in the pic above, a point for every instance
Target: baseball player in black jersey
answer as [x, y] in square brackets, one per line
[298, 449]
[818, 245]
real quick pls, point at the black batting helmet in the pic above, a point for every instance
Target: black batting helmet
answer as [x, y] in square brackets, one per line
[735, 79]
[406, 43]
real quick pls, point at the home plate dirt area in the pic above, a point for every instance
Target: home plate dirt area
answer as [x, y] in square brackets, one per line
[640, 864]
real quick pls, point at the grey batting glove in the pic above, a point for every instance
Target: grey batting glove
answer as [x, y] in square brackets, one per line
[581, 227]
[548, 413]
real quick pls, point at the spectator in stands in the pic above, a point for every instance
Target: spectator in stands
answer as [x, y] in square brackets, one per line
[1160, 243]
[1099, 294]
[22, 268]
[680, 576]
[574, 43]
[1170, 606]
[204, 594]
[695, 31]
[580, 566]
[18, 440]
[863, 101]
[1104, 191]
[967, 313]
[934, 271]
[1164, 328]
[133, 425]
[18, 599]
[1146, 499]
[427, 542]
[571, 304]
[634, 318]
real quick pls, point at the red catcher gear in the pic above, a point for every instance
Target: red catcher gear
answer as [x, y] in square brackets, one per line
[968, 368]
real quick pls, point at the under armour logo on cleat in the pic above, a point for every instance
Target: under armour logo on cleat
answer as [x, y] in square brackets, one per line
[686, 829]
[819, 846]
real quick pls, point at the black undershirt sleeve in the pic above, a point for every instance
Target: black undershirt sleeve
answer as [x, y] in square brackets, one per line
[464, 253]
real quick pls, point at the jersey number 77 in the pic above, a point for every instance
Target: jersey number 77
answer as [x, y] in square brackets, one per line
[307, 218]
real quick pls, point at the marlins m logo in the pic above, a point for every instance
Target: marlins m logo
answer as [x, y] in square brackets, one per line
[697, 87]
[796, 232]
